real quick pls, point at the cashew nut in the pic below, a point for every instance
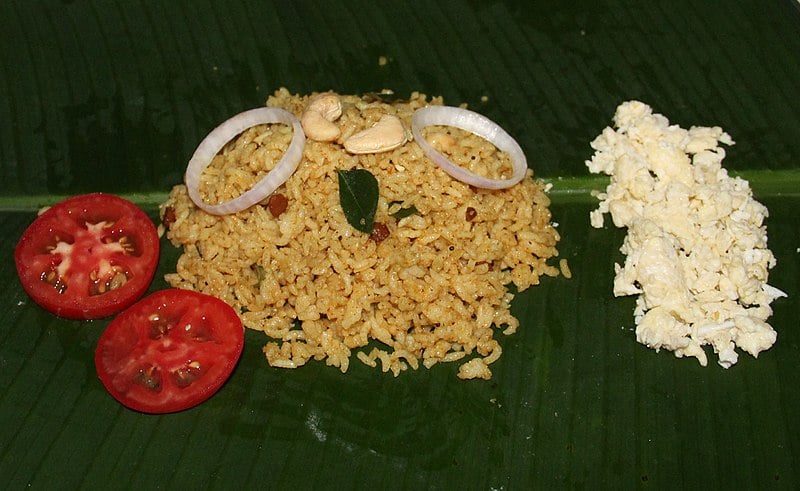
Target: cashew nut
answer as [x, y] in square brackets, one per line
[387, 134]
[319, 116]
[316, 127]
[327, 104]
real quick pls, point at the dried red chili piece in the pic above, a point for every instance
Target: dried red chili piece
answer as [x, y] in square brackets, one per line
[379, 232]
[169, 217]
[277, 204]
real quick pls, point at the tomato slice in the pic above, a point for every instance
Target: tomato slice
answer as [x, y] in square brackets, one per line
[88, 257]
[169, 351]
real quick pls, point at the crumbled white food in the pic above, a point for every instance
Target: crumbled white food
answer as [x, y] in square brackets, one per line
[696, 247]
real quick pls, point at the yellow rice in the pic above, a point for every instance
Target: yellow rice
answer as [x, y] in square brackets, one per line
[435, 290]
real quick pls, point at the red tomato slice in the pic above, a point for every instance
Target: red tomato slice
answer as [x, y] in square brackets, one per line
[169, 351]
[88, 257]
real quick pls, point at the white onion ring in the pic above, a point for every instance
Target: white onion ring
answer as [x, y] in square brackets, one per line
[224, 133]
[474, 123]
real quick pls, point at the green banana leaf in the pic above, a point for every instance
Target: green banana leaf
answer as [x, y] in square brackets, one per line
[114, 95]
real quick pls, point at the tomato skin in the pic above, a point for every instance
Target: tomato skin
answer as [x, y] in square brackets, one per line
[169, 351]
[68, 234]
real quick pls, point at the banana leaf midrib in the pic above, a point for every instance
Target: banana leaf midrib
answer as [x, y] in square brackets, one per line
[765, 183]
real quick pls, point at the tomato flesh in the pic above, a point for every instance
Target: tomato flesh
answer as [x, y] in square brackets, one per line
[169, 351]
[88, 257]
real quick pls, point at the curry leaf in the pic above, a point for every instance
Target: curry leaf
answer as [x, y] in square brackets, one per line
[358, 195]
[405, 212]
[260, 272]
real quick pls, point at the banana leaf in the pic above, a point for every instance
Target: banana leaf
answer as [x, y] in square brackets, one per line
[114, 95]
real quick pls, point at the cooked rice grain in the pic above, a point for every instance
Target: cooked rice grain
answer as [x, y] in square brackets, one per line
[433, 291]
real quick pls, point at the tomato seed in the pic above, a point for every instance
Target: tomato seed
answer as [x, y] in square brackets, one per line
[51, 278]
[159, 326]
[185, 376]
[117, 280]
[127, 245]
[199, 332]
[113, 280]
[149, 377]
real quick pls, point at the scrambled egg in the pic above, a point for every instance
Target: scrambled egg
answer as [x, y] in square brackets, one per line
[696, 247]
